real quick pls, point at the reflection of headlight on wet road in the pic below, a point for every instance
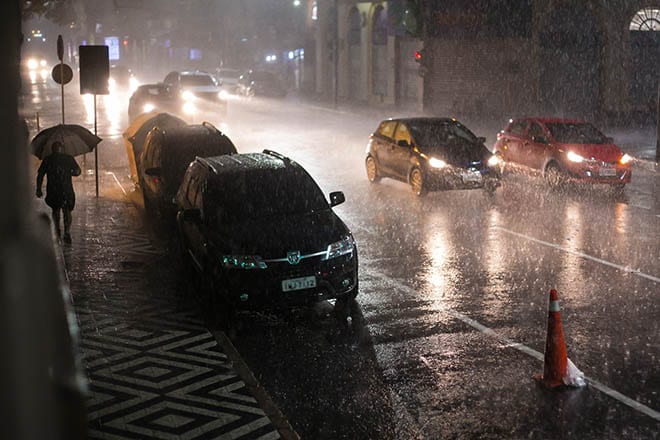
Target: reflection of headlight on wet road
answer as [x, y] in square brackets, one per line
[148, 107]
[112, 84]
[133, 84]
[188, 95]
[44, 74]
[189, 108]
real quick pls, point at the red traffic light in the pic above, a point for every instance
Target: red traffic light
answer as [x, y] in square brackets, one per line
[419, 54]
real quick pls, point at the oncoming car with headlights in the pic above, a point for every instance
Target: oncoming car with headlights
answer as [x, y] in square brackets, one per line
[257, 232]
[155, 97]
[431, 154]
[563, 150]
[197, 85]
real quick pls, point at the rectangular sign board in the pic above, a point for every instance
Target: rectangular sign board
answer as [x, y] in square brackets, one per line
[94, 70]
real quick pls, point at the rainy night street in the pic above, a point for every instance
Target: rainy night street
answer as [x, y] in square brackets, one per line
[453, 287]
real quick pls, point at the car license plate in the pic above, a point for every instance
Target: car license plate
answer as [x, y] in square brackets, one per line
[471, 176]
[607, 172]
[298, 284]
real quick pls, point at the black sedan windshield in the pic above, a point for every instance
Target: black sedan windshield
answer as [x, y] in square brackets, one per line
[576, 133]
[265, 193]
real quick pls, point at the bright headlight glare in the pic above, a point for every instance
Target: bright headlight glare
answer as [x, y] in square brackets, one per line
[574, 157]
[188, 95]
[43, 63]
[625, 159]
[148, 107]
[189, 108]
[32, 64]
[339, 248]
[493, 160]
[437, 163]
[243, 262]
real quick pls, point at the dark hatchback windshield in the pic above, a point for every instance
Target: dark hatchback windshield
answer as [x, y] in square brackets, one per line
[431, 133]
[264, 193]
[576, 133]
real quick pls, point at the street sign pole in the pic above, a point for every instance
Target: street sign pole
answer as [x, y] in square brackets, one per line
[657, 126]
[96, 153]
[60, 55]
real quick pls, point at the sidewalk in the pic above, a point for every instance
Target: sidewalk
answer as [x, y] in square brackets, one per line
[154, 371]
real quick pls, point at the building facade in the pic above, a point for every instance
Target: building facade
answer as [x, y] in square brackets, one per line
[591, 59]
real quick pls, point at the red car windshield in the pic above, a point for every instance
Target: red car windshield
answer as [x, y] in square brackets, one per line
[576, 133]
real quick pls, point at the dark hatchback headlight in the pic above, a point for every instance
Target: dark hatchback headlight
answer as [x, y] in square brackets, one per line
[342, 247]
[243, 262]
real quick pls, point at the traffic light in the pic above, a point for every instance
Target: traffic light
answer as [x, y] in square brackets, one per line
[422, 60]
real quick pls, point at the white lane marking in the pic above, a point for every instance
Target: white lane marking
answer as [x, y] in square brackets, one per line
[581, 254]
[118, 183]
[528, 351]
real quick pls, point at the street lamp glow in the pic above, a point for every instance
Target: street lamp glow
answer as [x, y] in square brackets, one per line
[296, 2]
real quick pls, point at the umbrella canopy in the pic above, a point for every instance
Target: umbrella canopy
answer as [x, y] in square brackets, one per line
[75, 138]
[136, 134]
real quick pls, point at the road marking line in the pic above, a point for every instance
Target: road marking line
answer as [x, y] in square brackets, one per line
[581, 254]
[531, 352]
[118, 183]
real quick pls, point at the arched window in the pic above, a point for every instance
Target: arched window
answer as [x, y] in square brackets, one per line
[647, 19]
[354, 27]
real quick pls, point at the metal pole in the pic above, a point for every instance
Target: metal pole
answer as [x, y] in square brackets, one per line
[657, 126]
[62, 86]
[336, 56]
[96, 153]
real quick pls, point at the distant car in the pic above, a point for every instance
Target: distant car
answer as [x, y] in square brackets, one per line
[122, 79]
[197, 84]
[228, 79]
[155, 97]
[260, 83]
[165, 157]
[563, 150]
[431, 154]
[259, 233]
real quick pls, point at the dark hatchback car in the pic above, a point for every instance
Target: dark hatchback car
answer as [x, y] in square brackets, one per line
[563, 150]
[259, 233]
[166, 156]
[431, 154]
[260, 83]
[154, 97]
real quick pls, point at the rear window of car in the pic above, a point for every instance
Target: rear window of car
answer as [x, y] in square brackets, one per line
[263, 193]
[517, 127]
[386, 129]
[576, 133]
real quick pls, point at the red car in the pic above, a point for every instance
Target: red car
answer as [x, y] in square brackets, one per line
[563, 150]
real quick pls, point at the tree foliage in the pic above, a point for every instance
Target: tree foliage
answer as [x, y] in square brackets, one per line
[62, 12]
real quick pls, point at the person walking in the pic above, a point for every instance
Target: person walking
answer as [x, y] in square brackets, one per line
[59, 167]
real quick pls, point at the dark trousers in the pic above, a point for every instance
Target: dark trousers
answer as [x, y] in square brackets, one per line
[67, 220]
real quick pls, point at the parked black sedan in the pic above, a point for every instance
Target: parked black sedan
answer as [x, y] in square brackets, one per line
[431, 154]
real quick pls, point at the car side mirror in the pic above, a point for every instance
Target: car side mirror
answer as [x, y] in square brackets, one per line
[153, 172]
[481, 140]
[193, 215]
[403, 143]
[540, 139]
[337, 198]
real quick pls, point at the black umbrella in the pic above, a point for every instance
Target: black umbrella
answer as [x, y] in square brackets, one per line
[75, 139]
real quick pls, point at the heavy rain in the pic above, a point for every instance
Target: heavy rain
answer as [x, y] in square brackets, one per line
[331, 219]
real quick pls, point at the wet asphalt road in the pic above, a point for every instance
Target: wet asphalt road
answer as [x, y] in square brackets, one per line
[454, 294]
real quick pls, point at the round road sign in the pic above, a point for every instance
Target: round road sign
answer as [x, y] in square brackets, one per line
[62, 74]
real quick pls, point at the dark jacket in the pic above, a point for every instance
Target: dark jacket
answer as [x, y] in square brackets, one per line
[58, 168]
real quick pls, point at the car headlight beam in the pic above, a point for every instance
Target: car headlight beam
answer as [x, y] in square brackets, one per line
[626, 158]
[494, 160]
[148, 107]
[342, 247]
[437, 163]
[574, 157]
[243, 262]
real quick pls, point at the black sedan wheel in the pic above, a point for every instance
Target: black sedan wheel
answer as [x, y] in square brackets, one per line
[372, 170]
[417, 182]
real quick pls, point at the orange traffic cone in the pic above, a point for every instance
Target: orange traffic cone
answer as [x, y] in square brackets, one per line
[558, 370]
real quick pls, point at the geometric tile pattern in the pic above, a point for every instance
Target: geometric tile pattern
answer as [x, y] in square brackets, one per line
[154, 371]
